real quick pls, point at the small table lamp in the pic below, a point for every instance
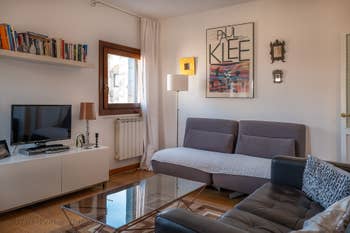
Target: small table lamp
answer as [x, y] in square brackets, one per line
[87, 112]
[177, 82]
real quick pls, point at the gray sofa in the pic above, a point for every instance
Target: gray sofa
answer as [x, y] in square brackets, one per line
[229, 142]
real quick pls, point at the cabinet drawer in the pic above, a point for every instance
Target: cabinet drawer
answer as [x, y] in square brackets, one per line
[84, 169]
[30, 181]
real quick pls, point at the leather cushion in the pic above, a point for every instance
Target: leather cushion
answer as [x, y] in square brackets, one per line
[288, 171]
[211, 141]
[251, 223]
[281, 204]
[264, 146]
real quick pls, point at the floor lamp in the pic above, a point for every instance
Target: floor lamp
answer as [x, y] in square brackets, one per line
[177, 83]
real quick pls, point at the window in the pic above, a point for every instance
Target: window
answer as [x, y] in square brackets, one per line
[118, 79]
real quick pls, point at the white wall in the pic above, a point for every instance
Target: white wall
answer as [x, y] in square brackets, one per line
[310, 94]
[76, 21]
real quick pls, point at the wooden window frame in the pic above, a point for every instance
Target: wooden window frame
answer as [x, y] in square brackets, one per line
[104, 107]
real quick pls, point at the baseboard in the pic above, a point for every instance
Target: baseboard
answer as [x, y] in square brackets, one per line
[124, 169]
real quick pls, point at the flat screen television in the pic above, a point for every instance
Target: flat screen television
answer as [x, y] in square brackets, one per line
[40, 123]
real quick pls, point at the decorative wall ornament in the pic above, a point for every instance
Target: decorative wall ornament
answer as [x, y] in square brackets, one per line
[277, 51]
[230, 61]
[187, 66]
[277, 76]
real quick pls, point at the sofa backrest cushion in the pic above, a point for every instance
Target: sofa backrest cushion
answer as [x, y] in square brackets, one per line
[265, 147]
[279, 130]
[211, 141]
[211, 134]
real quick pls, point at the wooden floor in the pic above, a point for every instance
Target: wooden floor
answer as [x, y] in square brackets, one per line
[47, 216]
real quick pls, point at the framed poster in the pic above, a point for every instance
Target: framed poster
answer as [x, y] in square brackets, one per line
[230, 61]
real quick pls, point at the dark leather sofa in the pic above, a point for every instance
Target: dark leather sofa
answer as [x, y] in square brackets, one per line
[277, 207]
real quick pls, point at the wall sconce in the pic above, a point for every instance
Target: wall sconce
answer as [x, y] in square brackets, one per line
[277, 76]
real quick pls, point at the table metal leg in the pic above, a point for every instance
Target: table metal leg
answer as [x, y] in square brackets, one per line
[235, 195]
[70, 222]
[99, 228]
[188, 205]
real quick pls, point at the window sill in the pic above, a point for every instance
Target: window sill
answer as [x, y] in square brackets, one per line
[119, 116]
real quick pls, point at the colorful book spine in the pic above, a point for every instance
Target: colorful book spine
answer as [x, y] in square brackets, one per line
[62, 49]
[85, 46]
[66, 51]
[13, 35]
[58, 47]
[75, 52]
[79, 52]
[4, 38]
[40, 44]
[53, 48]
[9, 36]
[16, 40]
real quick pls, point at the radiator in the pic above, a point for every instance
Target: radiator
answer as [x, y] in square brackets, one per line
[129, 137]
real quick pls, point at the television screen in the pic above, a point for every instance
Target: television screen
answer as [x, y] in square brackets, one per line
[40, 123]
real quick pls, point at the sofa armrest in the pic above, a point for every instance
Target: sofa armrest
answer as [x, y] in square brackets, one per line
[286, 170]
[183, 221]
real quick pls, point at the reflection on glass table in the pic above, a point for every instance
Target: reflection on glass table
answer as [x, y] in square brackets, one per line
[121, 207]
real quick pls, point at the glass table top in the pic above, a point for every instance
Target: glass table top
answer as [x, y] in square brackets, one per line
[121, 206]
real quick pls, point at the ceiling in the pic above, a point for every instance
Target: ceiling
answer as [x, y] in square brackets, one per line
[169, 8]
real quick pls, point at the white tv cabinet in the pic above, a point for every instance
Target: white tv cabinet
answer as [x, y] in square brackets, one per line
[26, 179]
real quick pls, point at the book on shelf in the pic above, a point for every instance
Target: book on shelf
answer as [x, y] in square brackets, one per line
[40, 44]
[4, 37]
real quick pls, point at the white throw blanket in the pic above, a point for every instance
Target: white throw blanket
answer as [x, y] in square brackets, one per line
[215, 162]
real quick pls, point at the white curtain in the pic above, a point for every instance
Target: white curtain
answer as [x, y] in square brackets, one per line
[150, 77]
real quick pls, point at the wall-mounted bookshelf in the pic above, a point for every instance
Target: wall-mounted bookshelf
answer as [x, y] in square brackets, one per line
[40, 48]
[43, 59]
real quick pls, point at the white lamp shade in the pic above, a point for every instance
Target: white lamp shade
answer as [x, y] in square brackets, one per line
[177, 82]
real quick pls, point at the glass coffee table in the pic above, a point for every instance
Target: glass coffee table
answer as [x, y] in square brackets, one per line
[124, 207]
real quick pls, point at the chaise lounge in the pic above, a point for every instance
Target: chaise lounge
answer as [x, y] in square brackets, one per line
[230, 154]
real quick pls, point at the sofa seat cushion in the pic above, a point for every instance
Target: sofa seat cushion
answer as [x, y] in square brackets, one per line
[242, 184]
[251, 223]
[216, 162]
[182, 171]
[281, 204]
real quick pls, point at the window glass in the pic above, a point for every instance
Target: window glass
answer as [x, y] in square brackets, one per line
[122, 79]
